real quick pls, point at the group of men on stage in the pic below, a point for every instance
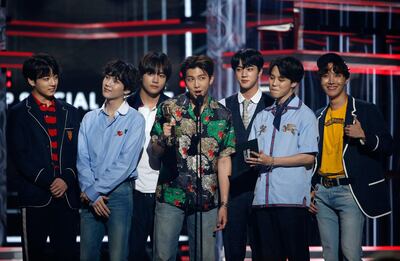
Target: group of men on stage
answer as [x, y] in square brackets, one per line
[252, 165]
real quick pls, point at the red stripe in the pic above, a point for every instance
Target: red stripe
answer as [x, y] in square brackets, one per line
[11, 65]
[352, 2]
[54, 157]
[95, 25]
[52, 132]
[54, 145]
[19, 54]
[94, 36]
[50, 120]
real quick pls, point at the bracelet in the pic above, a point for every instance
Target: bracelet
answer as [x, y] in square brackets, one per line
[223, 204]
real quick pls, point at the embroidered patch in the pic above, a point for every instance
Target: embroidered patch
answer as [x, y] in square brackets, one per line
[289, 128]
[263, 128]
[120, 133]
[69, 135]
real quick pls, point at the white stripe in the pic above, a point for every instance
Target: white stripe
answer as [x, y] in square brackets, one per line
[37, 176]
[376, 182]
[377, 143]
[25, 234]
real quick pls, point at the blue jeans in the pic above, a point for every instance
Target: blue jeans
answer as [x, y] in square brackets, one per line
[93, 227]
[339, 217]
[167, 227]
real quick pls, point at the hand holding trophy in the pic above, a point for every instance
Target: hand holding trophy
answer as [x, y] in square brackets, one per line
[169, 126]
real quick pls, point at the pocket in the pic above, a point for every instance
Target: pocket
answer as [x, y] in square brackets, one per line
[69, 133]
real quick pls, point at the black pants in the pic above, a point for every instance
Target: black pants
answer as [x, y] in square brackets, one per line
[58, 222]
[280, 233]
[238, 229]
[142, 225]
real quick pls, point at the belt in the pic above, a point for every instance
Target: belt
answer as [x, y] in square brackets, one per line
[333, 182]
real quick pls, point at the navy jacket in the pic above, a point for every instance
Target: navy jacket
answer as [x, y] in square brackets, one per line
[30, 151]
[364, 164]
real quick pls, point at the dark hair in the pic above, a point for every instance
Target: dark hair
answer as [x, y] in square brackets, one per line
[40, 65]
[201, 61]
[154, 62]
[248, 57]
[124, 72]
[289, 67]
[339, 66]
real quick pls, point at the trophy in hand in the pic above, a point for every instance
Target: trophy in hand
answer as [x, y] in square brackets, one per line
[169, 118]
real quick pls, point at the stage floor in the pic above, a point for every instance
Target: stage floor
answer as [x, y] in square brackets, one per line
[369, 252]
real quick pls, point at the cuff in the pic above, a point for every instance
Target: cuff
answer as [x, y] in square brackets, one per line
[92, 194]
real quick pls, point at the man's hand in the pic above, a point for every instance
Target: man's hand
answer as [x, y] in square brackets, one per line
[84, 198]
[222, 218]
[259, 159]
[313, 208]
[58, 187]
[167, 128]
[355, 130]
[100, 207]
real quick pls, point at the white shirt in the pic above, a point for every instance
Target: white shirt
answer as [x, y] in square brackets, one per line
[147, 177]
[252, 106]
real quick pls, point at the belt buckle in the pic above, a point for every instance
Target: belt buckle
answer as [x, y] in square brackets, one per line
[328, 183]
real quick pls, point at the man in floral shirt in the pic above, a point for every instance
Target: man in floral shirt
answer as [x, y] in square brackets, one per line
[179, 194]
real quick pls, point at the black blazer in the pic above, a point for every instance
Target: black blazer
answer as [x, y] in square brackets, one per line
[363, 164]
[30, 151]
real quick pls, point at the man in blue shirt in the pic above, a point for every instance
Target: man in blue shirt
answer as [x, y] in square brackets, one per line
[109, 145]
[287, 138]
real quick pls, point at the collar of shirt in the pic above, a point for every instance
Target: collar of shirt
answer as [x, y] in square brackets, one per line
[206, 111]
[135, 101]
[255, 99]
[294, 104]
[43, 105]
[122, 110]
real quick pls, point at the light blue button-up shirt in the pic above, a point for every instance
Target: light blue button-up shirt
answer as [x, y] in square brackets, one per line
[109, 149]
[298, 133]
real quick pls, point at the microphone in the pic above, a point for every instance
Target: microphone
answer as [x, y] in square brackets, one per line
[198, 103]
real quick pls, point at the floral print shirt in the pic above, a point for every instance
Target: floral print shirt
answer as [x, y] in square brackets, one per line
[217, 140]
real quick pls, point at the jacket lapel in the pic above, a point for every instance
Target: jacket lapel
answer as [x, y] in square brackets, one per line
[62, 115]
[321, 120]
[35, 113]
[350, 117]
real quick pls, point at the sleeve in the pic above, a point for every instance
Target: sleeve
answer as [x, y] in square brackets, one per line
[308, 135]
[20, 148]
[228, 142]
[157, 129]
[125, 164]
[377, 136]
[85, 173]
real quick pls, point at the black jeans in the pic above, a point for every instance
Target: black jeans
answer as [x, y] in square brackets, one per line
[142, 225]
[280, 233]
[238, 228]
[55, 220]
